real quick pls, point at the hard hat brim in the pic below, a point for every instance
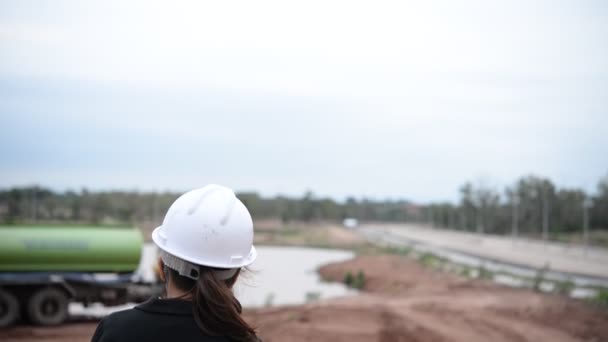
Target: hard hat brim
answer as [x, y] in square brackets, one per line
[160, 243]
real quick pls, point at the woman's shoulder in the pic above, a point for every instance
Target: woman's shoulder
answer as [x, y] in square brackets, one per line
[120, 316]
[113, 321]
[155, 320]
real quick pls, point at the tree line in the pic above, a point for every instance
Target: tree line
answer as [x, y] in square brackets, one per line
[534, 205]
[38, 204]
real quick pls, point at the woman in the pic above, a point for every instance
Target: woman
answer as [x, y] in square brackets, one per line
[205, 240]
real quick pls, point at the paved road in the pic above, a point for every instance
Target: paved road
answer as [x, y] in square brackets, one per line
[561, 257]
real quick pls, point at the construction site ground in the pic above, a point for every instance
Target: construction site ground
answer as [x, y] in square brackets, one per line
[403, 301]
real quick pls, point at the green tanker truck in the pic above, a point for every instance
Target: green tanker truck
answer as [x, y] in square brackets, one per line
[42, 269]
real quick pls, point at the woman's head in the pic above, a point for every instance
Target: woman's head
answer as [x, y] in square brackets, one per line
[205, 239]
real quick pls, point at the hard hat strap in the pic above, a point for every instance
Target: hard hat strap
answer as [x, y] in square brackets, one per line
[190, 270]
[225, 274]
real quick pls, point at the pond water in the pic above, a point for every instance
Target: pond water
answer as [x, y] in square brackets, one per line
[288, 275]
[279, 276]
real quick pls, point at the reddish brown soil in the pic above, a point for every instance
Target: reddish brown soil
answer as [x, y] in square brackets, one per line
[404, 302]
[71, 332]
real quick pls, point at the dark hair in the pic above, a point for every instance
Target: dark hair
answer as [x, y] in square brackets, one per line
[216, 310]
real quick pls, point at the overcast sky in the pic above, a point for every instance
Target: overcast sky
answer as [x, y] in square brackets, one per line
[404, 99]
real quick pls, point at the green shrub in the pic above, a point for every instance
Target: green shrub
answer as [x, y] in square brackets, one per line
[356, 282]
[359, 282]
[348, 279]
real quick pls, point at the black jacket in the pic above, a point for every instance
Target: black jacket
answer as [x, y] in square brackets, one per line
[164, 320]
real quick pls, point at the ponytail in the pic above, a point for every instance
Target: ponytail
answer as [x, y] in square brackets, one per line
[216, 310]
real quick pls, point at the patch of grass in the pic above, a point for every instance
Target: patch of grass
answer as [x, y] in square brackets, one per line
[370, 249]
[427, 259]
[484, 273]
[466, 271]
[564, 287]
[601, 297]
[431, 260]
[398, 250]
[539, 278]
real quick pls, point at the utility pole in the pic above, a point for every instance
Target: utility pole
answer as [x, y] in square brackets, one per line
[479, 222]
[515, 218]
[479, 205]
[451, 223]
[545, 214]
[463, 220]
[587, 204]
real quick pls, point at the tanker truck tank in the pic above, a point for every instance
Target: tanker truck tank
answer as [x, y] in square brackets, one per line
[42, 269]
[69, 249]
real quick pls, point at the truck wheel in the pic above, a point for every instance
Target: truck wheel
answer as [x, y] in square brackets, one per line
[9, 308]
[48, 306]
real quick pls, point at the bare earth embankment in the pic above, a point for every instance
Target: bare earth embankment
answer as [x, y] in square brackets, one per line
[405, 302]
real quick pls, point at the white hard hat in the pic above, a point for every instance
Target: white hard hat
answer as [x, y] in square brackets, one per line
[209, 226]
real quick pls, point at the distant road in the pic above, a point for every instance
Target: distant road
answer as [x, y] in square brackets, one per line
[523, 252]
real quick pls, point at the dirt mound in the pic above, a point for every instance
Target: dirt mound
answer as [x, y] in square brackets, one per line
[393, 274]
[406, 302]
